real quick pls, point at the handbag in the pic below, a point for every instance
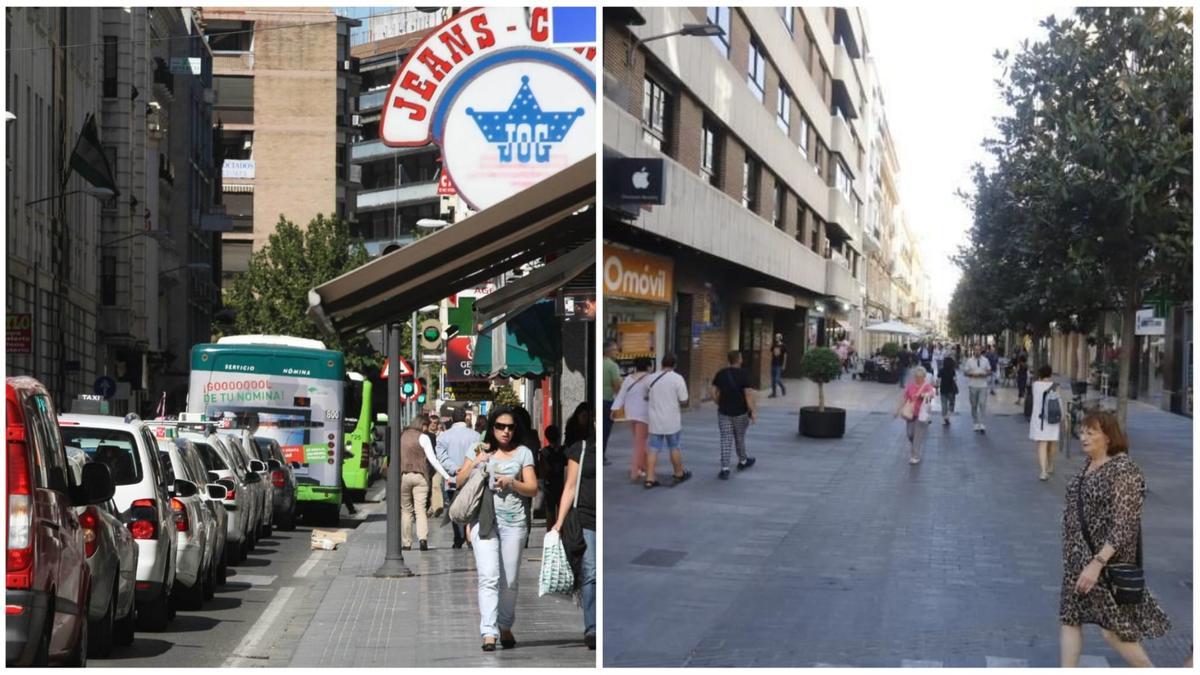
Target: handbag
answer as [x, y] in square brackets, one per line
[1126, 582]
[556, 575]
[572, 530]
[923, 413]
[468, 497]
[907, 411]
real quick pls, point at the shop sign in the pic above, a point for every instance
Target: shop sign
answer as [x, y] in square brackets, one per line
[477, 390]
[18, 334]
[185, 65]
[1148, 324]
[639, 180]
[508, 93]
[638, 276]
[460, 359]
[237, 168]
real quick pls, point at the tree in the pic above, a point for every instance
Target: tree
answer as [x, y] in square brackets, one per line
[820, 364]
[271, 298]
[1093, 172]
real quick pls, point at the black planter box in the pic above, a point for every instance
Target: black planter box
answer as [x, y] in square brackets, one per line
[828, 424]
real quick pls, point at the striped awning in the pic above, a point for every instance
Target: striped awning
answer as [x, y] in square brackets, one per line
[236, 187]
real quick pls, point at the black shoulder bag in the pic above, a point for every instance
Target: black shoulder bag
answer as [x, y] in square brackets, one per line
[1127, 582]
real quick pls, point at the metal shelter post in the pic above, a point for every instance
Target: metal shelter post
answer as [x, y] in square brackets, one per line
[393, 563]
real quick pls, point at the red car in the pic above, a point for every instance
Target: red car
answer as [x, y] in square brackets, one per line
[48, 582]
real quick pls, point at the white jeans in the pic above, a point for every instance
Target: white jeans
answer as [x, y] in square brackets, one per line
[498, 562]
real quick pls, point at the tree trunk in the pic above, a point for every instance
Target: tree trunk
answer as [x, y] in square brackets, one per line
[1128, 319]
[820, 397]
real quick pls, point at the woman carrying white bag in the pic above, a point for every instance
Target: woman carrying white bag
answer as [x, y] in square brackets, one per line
[579, 494]
[914, 408]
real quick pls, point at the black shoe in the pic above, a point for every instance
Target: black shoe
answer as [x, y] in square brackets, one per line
[590, 639]
[406, 548]
[458, 543]
[724, 475]
[784, 389]
[747, 463]
[489, 646]
[424, 545]
[509, 642]
[684, 476]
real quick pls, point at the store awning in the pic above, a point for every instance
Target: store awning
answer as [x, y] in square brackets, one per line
[547, 217]
[534, 344]
[520, 294]
[517, 363]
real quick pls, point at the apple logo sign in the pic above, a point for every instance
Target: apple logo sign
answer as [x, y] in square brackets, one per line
[641, 179]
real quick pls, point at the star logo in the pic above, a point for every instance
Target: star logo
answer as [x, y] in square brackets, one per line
[524, 132]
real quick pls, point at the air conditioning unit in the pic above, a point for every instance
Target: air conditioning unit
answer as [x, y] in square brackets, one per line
[356, 120]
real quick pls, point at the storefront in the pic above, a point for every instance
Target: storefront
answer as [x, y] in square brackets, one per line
[638, 290]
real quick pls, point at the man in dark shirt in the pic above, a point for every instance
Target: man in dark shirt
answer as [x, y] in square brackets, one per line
[778, 363]
[735, 412]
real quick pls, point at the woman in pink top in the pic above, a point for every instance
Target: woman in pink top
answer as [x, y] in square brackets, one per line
[916, 396]
[632, 400]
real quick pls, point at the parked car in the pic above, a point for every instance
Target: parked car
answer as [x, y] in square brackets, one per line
[48, 581]
[239, 504]
[112, 559]
[242, 441]
[283, 481]
[213, 496]
[130, 451]
[192, 526]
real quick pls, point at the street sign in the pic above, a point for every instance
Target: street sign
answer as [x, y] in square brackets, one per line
[19, 334]
[186, 65]
[508, 93]
[406, 369]
[445, 185]
[105, 386]
[1149, 323]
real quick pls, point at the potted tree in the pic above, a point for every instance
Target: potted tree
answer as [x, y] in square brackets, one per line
[821, 365]
[890, 351]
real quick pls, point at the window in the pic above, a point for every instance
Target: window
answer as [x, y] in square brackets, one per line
[233, 91]
[750, 183]
[841, 178]
[710, 153]
[230, 36]
[719, 16]
[788, 14]
[110, 66]
[783, 110]
[757, 71]
[237, 144]
[777, 216]
[821, 158]
[803, 143]
[654, 115]
[116, 449]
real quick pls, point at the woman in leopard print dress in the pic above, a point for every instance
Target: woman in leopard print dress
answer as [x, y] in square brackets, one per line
[1113, 491]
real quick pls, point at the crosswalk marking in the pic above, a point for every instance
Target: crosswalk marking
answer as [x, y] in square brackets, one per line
[1088, 661]
[913, 663]
[1006, 662]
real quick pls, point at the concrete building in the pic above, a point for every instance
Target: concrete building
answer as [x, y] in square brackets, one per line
[285, 85]
[399, 185]
[761, 137]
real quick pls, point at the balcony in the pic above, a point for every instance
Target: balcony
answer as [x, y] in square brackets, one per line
[842, 217]
[839, 282]
[233, 63]
[373, 100]
[370, 151]
[846, 88]
[842, 141]
[413, 193]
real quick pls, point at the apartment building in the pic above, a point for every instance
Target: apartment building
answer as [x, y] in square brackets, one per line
[399, 185]
[762, 142]
[285, 86]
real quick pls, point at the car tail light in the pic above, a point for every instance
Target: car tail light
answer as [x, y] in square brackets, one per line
[363, 460]
[143, 522]
[19, 562]
[13, 609]
[90, 522]
[181, 516]
[277, 478]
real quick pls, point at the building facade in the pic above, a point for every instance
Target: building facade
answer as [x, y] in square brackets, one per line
[761, 136]
[285, 86]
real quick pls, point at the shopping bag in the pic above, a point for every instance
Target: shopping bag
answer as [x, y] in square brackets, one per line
[556, 576]
[935, 406]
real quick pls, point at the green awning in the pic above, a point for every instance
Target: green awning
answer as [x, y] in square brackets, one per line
[518, 361]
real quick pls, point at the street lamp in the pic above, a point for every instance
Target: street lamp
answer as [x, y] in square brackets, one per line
[100, 193]
[688, 30]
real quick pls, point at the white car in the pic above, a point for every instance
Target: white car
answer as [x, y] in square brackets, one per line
[130, 451]
[238, 502]
[240, 441]
[214, 495]
[194, 526]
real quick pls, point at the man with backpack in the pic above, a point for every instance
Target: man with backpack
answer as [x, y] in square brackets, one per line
[1044, 423]
[731, 390]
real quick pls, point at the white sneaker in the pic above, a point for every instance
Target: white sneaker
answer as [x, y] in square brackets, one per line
[913, 460]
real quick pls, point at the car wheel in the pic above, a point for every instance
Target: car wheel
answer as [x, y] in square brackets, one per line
[123, 628]
[223, 571]
[78, 658]
[210, 582]
[287, 522]
[102, 630]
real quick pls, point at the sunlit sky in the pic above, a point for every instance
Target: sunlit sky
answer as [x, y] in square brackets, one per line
[937, 73]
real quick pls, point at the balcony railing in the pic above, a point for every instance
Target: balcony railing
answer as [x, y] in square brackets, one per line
[372, 100]
[368, 151]
[397, 196]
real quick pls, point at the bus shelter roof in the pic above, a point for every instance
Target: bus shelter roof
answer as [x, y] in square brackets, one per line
[546, 217]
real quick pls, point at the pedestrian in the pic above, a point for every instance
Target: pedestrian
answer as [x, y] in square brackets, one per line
[958, 352]
[666, 391]
[1041, 431]
[993, 359]
[1101, 528]
[437, 484]
[916, 397]
[978, 370]
[731, 390]
[581, 469]
[904, 362]
[452, 449]
[481, 426]
[631, 400]
[499, 531]
[925, 357]
[610, 386]
[552, 465]
[939, 355]
[579, 424]
[416, 458]
[1022, 377]
[779, 355]
[948, 387]
[842, 355]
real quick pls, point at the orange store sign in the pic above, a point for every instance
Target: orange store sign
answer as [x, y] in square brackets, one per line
[637, 276]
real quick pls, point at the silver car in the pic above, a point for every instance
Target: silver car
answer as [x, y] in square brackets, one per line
[239, 504]
[213, 496]
[242, 440]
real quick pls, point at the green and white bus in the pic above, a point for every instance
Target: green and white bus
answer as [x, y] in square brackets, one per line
[360, 463]
[294, 388]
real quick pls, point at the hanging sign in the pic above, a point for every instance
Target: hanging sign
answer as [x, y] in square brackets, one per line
[508, 93]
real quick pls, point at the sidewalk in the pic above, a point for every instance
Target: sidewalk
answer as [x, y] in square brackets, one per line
[432, 619]
[839, 552]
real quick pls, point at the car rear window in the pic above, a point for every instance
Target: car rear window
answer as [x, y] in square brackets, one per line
[115, 448]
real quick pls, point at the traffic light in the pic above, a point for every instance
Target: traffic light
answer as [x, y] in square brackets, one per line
[422, 390]
[431, 335]
[408, 388]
